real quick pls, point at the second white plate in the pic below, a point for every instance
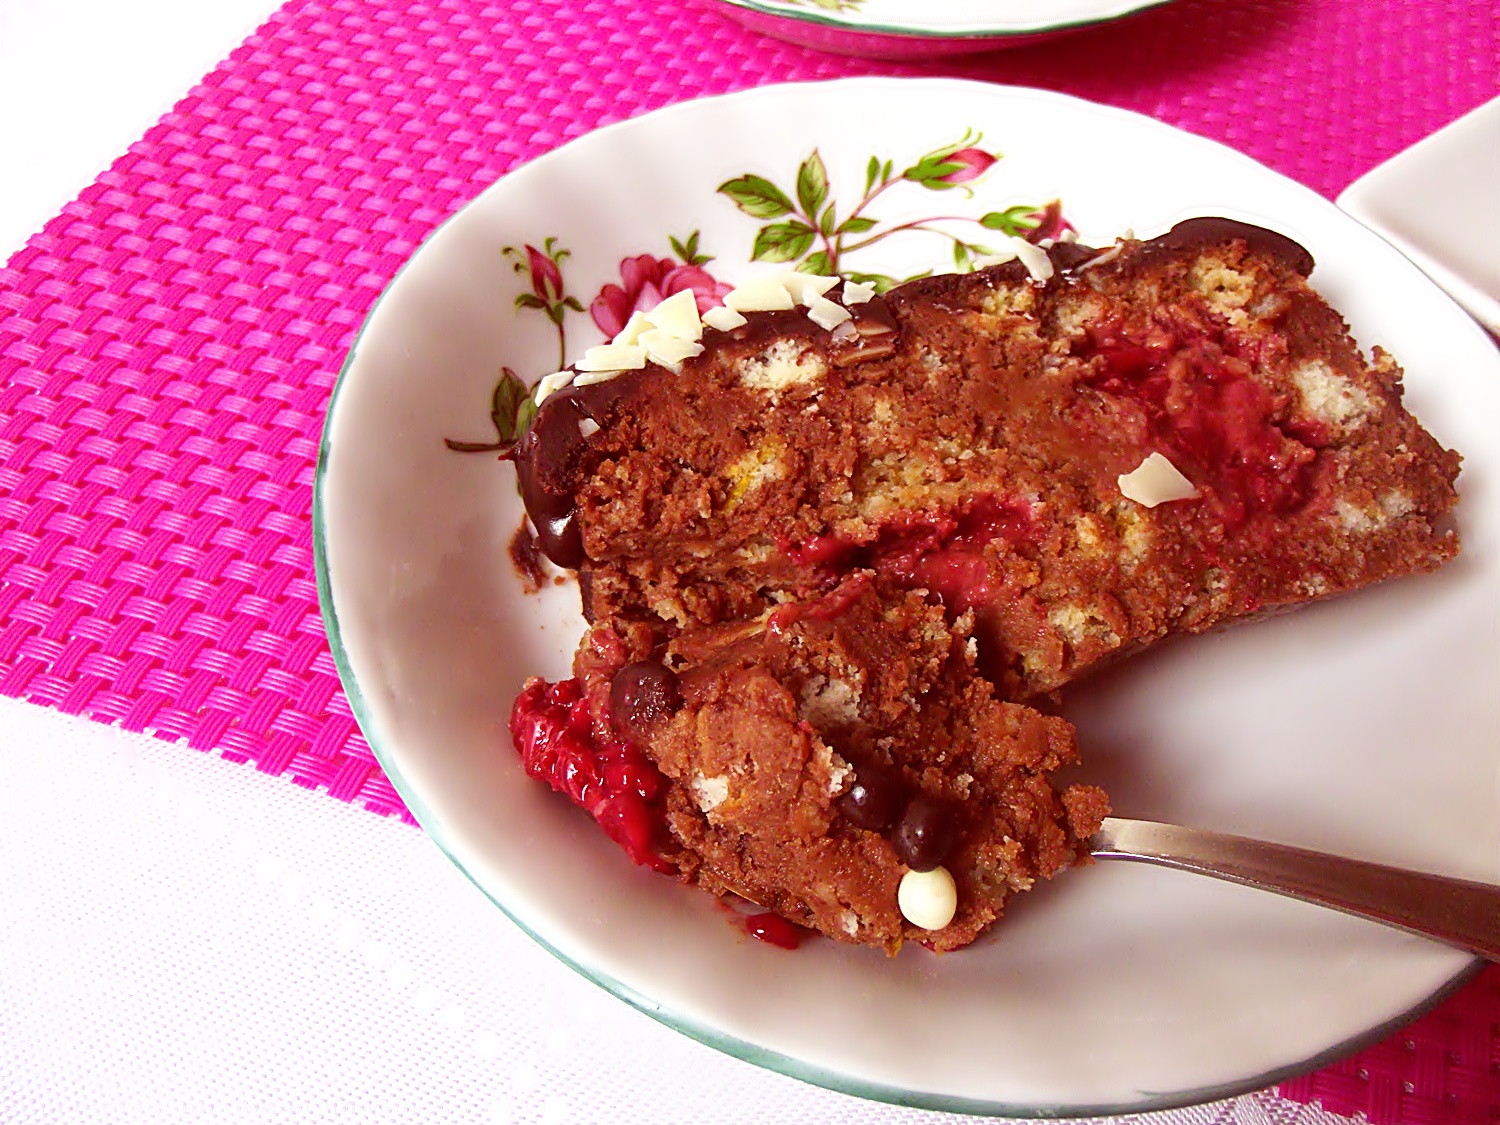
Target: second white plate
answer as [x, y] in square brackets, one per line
[1439, 203]
[915, 29]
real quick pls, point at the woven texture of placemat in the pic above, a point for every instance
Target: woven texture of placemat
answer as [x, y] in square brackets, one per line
[169, 343]
[1441, 1069]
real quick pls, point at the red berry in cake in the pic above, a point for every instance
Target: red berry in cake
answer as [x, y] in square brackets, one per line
[642, 694]
[614, 782]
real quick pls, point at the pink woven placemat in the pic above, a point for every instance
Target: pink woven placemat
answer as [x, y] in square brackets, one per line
[169, 342]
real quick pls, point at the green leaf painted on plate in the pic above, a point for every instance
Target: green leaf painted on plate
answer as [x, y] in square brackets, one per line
[511, 411]
[524, 414]
[505, 404]
[882, 282]
[1013, 220]
[931, 170]
[812, 184]
[815, 263]
[782, 242]
[688, 251]
[757, 196]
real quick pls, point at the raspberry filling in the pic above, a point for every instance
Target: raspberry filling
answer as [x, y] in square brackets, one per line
[612, 781]
[1214, 419]
[775, 930]
[943, 553]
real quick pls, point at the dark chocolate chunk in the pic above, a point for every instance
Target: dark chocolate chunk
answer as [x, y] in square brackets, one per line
[926, 834]
[874, 799]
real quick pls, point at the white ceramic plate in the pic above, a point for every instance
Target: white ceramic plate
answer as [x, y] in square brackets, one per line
[1365, 726]
[923, 28]
[1439, 203]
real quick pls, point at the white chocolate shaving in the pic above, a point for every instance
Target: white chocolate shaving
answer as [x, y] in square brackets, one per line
[761, 294]
[804, 287]
[1104, 257]
[678, 316]
[723, 318]
[669, 350]
[1156, 481]
[612, 357]
[587, 427]
[858, 292]
[1034, 258]
[589, 378]
[631, 333]
[547, 384]
[825, 313]
[998, 258]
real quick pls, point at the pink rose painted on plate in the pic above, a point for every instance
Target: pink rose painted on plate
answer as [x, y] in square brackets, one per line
[646, 281]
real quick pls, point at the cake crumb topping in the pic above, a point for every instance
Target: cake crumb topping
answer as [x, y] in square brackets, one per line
[710, 792]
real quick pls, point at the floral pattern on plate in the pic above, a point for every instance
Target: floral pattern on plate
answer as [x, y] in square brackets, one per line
[807, 231]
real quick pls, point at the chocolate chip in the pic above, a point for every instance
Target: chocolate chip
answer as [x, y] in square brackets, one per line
[874, 799]
[643, 694]
[561, 540]
[927, 832]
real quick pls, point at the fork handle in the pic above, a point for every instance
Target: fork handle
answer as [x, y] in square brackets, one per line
[1455, 911]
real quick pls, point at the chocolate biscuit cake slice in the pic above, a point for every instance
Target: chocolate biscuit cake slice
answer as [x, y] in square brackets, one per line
[1088, 450]
[838, 762]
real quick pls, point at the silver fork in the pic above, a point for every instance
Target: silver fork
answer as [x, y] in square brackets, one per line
[1455, 911]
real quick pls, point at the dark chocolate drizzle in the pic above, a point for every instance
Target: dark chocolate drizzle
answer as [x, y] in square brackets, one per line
[548, 461]
[1068, 256]
[549, 457]
[1211, 230]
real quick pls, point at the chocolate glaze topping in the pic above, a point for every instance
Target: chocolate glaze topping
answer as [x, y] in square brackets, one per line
[549, 456]
[547, 461]
[1208, 230]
